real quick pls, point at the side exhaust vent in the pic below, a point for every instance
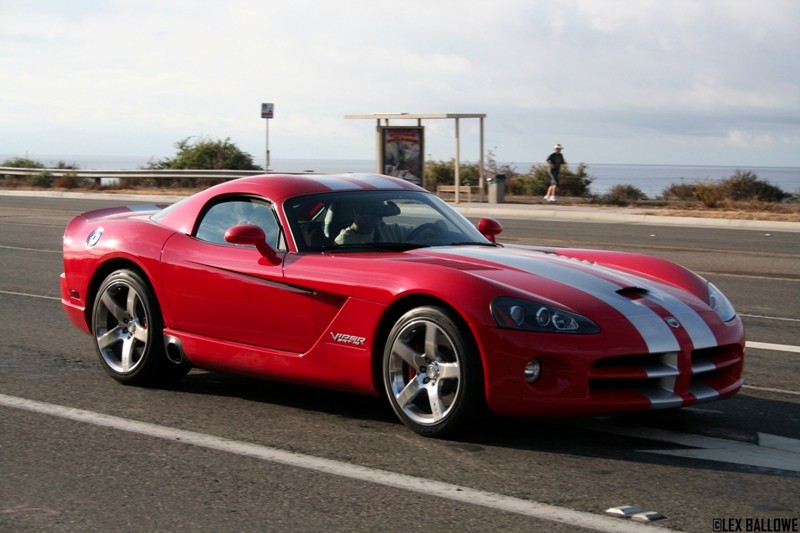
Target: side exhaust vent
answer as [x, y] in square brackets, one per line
[174, 350]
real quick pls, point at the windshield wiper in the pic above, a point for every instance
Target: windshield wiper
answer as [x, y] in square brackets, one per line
[472, 243]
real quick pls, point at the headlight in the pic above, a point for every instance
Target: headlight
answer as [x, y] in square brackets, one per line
[514, 313]
[720, 304]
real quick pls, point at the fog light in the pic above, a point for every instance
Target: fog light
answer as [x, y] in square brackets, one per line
[532, 370]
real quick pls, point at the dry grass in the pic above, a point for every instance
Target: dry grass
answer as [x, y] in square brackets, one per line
[752, 210]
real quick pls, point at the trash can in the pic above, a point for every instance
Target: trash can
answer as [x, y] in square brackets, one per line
[497, 189]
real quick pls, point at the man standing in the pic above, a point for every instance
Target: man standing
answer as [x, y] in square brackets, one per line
[555, 160]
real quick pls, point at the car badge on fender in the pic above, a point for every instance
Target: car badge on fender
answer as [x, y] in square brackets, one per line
[672, 321]
[94, 237]
[348, 339]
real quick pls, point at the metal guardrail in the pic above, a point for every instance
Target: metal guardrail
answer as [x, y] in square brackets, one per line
[98, 174]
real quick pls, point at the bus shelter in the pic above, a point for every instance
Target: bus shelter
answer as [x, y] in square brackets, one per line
[401, 148]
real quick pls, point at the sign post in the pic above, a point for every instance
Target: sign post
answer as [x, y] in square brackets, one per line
[267, 112]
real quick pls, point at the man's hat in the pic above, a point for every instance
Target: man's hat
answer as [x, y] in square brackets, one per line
[557, 147]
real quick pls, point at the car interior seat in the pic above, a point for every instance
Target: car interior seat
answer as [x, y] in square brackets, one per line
[338, 217]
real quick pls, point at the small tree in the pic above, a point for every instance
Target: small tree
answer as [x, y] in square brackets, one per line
[207, 154]
[203, 154]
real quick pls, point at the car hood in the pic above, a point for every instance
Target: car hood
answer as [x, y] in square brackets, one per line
[655, 302]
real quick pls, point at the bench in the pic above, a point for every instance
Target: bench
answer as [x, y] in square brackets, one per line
[468, 190]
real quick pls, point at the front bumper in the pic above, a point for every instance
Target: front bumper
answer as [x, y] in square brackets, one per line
[585, 375]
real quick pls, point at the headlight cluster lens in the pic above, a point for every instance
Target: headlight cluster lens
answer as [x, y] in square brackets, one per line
[720, 303]
[515, 313]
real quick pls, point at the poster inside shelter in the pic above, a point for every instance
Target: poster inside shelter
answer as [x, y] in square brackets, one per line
[402, 150]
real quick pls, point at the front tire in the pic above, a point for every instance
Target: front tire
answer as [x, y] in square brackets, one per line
[127, 327]
[432, 373]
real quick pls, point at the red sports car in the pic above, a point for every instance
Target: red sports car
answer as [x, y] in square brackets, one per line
[370, 284]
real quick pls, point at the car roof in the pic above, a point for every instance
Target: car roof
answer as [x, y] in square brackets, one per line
[278, 188]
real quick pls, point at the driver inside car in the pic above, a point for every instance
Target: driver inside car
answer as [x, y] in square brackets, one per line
[368, 225]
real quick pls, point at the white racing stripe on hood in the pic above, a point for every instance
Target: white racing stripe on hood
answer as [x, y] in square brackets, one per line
[655, 332]
[694, 324]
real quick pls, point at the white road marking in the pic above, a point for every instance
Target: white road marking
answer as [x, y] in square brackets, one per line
[770, 389]
[12, 293]
[772, 318]
[771, 451]
[427, 487]
[29, 249]
[773, 347]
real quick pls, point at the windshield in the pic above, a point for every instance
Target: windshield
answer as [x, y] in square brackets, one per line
[377, 219]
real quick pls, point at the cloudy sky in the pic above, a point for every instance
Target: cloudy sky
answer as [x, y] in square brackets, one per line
[689, 82]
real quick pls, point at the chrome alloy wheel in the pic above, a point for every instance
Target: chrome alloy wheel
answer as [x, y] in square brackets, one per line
[122, 326]
[423, 372]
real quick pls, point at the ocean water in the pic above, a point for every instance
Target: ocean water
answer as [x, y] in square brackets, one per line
[650, 179]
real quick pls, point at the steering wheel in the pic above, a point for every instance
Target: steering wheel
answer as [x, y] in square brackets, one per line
[423, 228]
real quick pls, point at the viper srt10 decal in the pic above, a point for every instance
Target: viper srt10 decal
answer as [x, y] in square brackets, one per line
[348, 339]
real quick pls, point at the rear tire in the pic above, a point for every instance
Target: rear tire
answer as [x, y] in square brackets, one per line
[127, 327]
[432, 373]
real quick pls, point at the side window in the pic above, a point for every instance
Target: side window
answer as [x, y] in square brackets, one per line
[235, 211]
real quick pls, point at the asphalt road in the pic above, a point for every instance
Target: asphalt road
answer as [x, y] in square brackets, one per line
[79, 452]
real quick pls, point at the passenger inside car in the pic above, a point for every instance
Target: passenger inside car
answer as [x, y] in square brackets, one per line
[368, 225]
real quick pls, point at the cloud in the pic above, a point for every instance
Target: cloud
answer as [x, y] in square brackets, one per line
[124, 76]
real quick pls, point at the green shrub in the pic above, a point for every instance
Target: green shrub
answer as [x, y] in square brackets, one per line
[444, 172]
[42, 179]
[201, 154]
[22, 162]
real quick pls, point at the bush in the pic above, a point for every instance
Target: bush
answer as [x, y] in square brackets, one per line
[207, 154]
[202, 154]
[42, 179]
[679, 191]
[70, 180]
[36, 180]
[444, 172]
[22, 162]
[623, 195]
[742, 186]
[745, 185]
[709, 194]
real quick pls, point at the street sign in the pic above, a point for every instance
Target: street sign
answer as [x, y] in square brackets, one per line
[267, 110]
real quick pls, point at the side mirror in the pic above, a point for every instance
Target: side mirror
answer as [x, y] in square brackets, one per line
[490, 228]
[248, 234]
